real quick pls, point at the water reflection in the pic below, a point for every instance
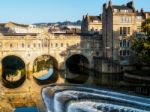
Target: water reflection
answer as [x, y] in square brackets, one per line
[111, 81]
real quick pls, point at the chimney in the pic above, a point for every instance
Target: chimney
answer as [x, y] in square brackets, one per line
[83, 17]
[110, 3]
[131, 5]
[104, 6]
[142, 10]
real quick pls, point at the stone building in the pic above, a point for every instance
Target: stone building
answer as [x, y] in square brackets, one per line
[91, 24]
[141, 16]
[120, 23]
[24, 28]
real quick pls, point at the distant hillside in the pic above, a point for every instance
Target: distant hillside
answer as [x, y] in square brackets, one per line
[60, 23]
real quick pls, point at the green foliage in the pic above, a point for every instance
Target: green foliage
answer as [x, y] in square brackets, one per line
[146, 26]
[141, 45]
[41, 65]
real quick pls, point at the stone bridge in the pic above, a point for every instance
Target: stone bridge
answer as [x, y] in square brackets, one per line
[28, 47]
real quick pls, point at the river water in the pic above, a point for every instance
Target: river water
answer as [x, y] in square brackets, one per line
[110, 81]
[26, 109]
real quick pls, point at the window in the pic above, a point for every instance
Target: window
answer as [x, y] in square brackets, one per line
[122, 19]
[128, 44]
[124, 30]
[124, 52]
[56, 45]
[97, 53]
[51, 44]
[11, 45]
[128, 53]
[109, 67]
[0, 45]
[67, 45]
[95, 21]
[124, 43]
[130, 20]
[126, 19]
[115, 10]
[128, 30]
[121, 31]
[121, 43]
[34, 44]
[45, 43]
[121, 53]
[22, 45]
[61, 44]
[39, 45]
[28, 45]
[139, 17]
[139, 28]
[97, 45]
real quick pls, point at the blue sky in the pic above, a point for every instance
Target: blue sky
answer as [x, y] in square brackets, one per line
[33, 11]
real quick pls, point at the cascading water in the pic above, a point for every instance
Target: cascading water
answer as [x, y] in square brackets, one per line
[72, 98]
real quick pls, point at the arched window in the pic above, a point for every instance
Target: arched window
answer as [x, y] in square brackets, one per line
[45, 43]
[124, 43]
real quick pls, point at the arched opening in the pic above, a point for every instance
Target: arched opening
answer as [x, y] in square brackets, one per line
[45, 69]
[77, 69]
[13, 71]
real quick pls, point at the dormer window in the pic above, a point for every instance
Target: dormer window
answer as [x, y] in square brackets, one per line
[139, 17]
[124, 11]
[115, 10]
[95, 21]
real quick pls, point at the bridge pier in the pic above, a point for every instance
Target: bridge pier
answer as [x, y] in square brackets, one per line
[29, 70]
[0, 71]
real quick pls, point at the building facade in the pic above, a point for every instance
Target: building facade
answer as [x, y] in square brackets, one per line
[120, 23]
[91, 24]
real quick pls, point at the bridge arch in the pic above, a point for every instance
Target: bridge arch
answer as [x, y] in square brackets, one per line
[45, 69]
[12, 54]
[77, 66]
[13, 71]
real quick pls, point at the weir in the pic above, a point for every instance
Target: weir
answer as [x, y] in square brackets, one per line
[72, 98]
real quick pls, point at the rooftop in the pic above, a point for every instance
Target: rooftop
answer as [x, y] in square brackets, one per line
[93, 18]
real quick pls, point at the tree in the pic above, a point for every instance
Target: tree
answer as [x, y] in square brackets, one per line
[141, 46]
[146, 27]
